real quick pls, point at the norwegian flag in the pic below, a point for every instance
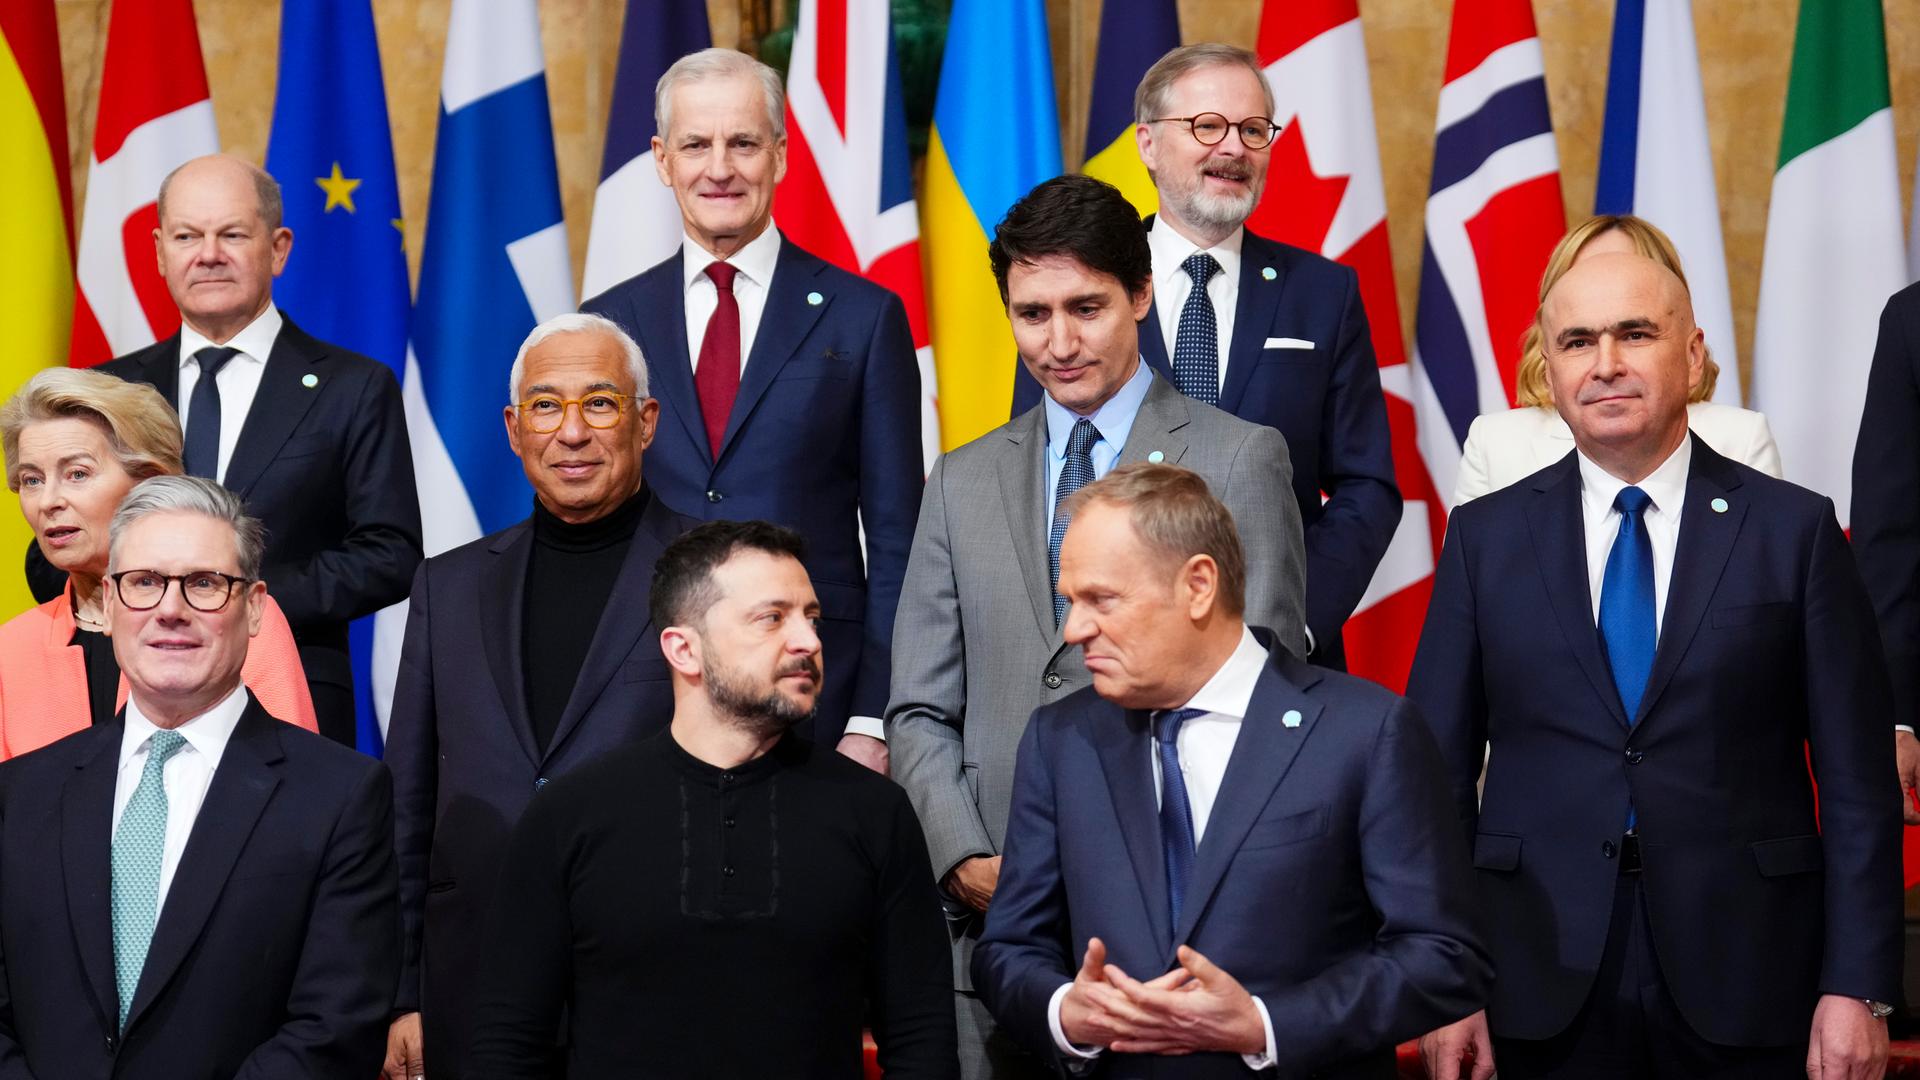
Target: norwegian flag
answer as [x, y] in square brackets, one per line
[848, 193]
[155, 115]
[1324, 193]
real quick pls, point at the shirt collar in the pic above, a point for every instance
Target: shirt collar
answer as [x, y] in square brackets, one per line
[1666, 486]
[207, 733]
[755, 260]
[1230, 691]
[256, 341]
[1114, 420]
[1170, 250]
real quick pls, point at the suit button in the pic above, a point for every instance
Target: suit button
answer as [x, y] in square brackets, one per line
[1634, 757]
[1052, 680]
[729, 823]
[539, 783]
[714, 496]
[727, 870]
[1606, 849]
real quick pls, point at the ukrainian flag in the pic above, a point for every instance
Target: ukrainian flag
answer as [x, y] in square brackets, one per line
[1132, 36]
[996, 133]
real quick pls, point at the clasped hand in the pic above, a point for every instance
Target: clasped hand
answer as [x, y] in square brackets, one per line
[1195, 1007]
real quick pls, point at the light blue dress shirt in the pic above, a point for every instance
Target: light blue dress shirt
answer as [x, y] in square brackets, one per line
[1114, 422]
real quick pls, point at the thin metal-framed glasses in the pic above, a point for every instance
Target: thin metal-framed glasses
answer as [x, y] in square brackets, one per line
[544, 413]
[204, 590]
[1256, 132]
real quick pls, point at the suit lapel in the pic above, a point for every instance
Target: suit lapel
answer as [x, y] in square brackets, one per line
[659, 322]
[786, 321]
[86, 855]
[1153, 347]
[1123, 749]
[248, 774]
[161, 367]
[1163, 415]
[1559, 543]
[1699, 558]
[278, 406]
[503, 590]
[1021, 470]
[1252, 315]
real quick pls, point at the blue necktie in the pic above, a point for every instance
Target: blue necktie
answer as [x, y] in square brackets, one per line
[139, 847]
[1176, 813]
[203, 414]
[1074, 475]
[1627, 624]
[1196, 342]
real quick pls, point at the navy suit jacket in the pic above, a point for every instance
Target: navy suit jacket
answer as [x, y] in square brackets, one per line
[461, 745]
[1767, 651]
[1326, 400]
[275, 954]
[824, 438]
[1886, 495]
[1328, 881]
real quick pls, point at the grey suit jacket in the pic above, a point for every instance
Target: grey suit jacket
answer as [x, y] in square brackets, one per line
[975, 648]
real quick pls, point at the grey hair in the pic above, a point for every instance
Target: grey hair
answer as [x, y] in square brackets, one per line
[720, 63]
[1150, 98]
[190, 495]
[580, 322]
[265, 188]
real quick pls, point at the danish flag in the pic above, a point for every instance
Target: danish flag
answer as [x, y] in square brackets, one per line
[848, 193]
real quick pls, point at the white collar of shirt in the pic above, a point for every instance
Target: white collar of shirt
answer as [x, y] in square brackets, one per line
[206, 734]
[1206, 742]
[1230, 691]
[755, 260]
[1666, 488]
[1113, 419]
[255, 342]
[1170, 252]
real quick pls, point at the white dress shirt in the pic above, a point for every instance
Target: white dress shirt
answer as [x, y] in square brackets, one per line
[238, 381]
[1205, 744]
[1666, 486]
[185, 776]
[1172, 284]
[755, 263]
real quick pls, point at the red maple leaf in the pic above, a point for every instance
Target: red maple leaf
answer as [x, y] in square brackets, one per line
[1299, 204]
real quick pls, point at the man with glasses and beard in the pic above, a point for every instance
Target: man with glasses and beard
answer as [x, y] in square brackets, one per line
[721, 899]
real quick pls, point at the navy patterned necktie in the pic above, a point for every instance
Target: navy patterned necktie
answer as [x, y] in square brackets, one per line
[1074, 475]
[203, 413]
[1196, 343]
[1176, 812]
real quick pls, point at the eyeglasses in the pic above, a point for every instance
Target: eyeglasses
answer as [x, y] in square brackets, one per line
[602, 409]
[1256, 132]
[204, 590]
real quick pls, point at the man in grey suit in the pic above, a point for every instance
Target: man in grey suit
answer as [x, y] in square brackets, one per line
[977, 641]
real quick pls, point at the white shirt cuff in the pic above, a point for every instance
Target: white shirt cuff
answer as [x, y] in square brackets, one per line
[1060, 1037]
[1311, 644]
[870, 726]
[1256, 1062]
[1908, 728]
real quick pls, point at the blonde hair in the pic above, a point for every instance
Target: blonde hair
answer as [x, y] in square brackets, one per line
[141, 427]
[1175, 515]
[1530, 380]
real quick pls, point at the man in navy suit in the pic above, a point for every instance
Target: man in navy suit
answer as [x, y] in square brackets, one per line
[195, 889]
[788, 388]
[1277, 336]
[1655, 643]
[1217, 852]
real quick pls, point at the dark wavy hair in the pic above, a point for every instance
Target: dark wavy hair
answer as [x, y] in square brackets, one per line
[683, 587]
[1082, 218]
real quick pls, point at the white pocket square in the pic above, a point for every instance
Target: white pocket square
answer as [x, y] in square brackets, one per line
[1288, 343]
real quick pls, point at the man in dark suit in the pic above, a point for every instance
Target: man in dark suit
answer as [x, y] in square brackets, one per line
[312, 436]
[1270, 880]
[195, 889]
[1655, 642]
[528, 653]
[1277, 335]
[788, 388]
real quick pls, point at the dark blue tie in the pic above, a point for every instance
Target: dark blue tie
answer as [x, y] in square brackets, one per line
[1627, 623]
[203, 413]
[1074, 475]
[1176, 813]
[1196, 342]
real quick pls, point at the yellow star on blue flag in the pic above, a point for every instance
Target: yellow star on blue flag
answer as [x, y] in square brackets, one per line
[339, 190]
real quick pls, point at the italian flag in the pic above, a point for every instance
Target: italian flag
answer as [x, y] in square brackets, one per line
[1834, 249]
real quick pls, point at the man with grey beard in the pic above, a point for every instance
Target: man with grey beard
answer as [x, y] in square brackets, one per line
[660, 895]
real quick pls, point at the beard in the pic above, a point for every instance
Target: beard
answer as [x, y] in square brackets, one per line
[761, 711]
[1193, 203]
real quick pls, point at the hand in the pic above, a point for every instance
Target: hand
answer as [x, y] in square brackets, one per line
[1096, 1013]
[868, 751]
[1847, 1043]
[1207, 1010]
[1906, 754]
[1447, 1050]
[973, 881]
[404, 1060]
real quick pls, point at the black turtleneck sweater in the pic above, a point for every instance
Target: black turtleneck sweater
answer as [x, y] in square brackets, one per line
[569, 576]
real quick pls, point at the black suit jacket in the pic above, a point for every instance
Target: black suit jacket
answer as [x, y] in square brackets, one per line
[329, 471]
[1886, 496]
[1767, 652]
[461, 745]
[275, 954]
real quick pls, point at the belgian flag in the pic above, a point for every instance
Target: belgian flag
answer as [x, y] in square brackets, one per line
[1133, 34]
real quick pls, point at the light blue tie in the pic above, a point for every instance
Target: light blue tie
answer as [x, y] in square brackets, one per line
[1196, 340]
[1176, 811]
[1628, 627]
[139, 845]
[1074, 475]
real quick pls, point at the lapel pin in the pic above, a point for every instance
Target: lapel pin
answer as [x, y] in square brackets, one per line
[309, 380]
[815, 299]
[1267, 273]
[1719, 506]
[1292, 718]
[1156, 457]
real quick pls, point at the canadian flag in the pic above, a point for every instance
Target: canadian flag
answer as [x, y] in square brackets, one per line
[155, 115]
[1324, 194]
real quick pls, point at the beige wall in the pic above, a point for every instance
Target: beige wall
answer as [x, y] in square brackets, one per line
[1745, 49]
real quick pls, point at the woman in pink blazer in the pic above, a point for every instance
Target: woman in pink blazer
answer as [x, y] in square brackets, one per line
[76, 442]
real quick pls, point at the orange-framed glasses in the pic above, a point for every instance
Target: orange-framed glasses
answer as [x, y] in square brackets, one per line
[544, 413]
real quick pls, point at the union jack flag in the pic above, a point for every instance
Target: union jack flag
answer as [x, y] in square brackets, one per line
[848, 193]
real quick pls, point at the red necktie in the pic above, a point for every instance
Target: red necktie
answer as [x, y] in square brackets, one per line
[718, 377]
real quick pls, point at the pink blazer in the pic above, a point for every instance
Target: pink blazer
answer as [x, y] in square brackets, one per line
[43, 676]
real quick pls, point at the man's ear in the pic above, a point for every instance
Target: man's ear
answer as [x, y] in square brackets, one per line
[1200, 582]
[681, 647]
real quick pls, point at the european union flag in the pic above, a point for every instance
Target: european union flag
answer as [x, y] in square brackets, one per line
[332, 151]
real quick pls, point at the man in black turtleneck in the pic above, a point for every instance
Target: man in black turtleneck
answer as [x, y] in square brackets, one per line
[528, 654]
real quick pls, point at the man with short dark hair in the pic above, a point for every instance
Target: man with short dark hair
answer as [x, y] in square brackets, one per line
[725, 898]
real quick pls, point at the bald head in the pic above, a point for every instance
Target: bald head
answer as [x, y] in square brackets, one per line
[266, 190]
